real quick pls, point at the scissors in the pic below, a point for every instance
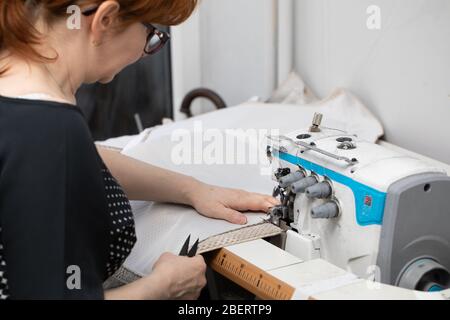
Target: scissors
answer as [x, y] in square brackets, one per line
[185, 252]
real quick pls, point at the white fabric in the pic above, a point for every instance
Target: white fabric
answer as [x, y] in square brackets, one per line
[119, 142]
[163, 227]
[293, 91]
[342, 110]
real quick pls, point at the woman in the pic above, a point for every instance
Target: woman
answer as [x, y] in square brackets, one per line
[64, 206]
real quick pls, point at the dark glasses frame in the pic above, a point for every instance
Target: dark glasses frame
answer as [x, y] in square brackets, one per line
[163, 37]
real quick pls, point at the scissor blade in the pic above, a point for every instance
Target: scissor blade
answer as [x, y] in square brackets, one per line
[194, 249]
[185, 248]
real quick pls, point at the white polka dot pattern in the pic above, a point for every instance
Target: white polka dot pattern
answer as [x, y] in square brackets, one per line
[122, 233]
[4, 290]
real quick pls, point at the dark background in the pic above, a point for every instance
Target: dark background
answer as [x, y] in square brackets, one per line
[144, 88]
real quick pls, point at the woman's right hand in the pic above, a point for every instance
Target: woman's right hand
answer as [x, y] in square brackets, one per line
[182, 277]
[173, 277]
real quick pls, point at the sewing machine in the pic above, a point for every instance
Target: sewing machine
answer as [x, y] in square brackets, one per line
[362, 207]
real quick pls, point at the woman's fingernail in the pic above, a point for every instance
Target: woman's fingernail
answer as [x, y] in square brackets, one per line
[242, 219]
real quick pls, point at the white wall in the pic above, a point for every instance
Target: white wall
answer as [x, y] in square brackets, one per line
[186, 60]
[228, 46]
[402, 72]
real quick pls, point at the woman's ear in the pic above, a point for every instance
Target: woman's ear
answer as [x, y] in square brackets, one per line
[104, 20]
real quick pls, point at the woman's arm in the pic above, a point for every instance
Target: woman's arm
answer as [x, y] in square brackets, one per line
[142, 181]
[137, 290]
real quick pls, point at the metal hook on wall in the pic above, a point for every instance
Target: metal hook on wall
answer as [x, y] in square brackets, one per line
[201, 93]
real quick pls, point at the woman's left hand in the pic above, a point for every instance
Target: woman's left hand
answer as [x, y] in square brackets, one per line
[227, 204]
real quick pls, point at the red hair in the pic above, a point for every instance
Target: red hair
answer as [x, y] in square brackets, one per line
[18, 34]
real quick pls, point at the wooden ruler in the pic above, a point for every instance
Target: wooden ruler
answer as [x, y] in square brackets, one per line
[249, 276]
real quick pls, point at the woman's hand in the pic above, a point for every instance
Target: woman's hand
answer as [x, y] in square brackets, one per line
[173, 277]
[226, 204]
[183, 278]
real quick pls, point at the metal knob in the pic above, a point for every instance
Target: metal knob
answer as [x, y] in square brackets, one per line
[301, 185]
[317, 121]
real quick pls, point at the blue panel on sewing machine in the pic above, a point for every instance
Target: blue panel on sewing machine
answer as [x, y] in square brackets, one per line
[369, 203]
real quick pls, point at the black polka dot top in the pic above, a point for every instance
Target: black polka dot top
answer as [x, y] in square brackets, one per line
[65, 222]
[122, 234]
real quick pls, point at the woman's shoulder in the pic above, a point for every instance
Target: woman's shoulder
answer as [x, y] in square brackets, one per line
[37, 128]
[17, 109]
[25, 121]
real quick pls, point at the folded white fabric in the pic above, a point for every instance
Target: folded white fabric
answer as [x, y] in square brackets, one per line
[342, 110]
[164, 227]
[293, 91]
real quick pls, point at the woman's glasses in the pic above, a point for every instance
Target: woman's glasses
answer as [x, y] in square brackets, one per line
[156, 39]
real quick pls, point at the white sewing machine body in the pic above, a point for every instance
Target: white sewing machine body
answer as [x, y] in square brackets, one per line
[359, 205]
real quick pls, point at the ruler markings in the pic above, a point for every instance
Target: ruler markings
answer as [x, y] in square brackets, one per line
[257, 281]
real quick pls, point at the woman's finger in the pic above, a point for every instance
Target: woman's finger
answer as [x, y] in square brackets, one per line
[273, 201]
[257, 202]
[233, 216]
